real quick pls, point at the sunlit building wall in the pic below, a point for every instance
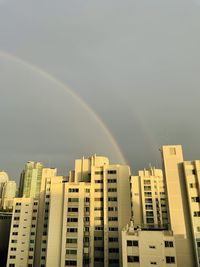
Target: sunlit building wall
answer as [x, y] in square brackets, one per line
[87, 214]
[3, 179]
[179, 214]
[23, 232]
[192, 181]
[8, 195]
[148, 197]
[30, 180]
[142, 247]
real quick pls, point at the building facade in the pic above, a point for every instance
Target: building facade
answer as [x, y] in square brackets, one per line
[178, 206]
[142, 247]
[21, 248]
[30, 180]
[149, 207]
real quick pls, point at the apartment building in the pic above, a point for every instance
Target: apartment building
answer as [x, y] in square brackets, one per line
[30, 180]
[178, 205]
[142, 247]
[87, 214]
[149, 207]
[22, 233]
[192, 182]
[8, 194]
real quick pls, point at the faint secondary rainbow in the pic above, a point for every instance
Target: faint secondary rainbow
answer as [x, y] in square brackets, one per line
[50, 77]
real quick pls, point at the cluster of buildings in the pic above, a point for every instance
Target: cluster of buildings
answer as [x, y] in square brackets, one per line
[101, 215]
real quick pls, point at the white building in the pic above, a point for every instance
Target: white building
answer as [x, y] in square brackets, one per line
[86, 215]
[192, 182]
[8, 195]
[179, 214]
[144, 248]
[149, 207]
[22, 233]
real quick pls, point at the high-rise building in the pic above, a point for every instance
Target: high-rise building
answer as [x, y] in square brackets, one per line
[3, 179]
[143, 247]
[179, 214]
[149, 199]
[86, 214]
[30, 180]
[192, 182]
[8, 195]
[5, 222]
[23, 233]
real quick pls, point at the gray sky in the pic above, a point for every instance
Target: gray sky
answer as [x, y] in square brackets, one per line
[135, 63]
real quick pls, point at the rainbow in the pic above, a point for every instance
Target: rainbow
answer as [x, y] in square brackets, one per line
[45, 74]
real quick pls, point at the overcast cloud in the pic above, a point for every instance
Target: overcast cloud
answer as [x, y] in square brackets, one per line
[136, 63]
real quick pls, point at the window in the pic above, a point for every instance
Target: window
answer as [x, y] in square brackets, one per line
[98, 238]
[193, 185]
[98, 172]
[151, 246]
[99, 259]
[99, 248]
[98, 208]
[169, 244]
[13, 249]
[98, 228]
[12, 256]
[15, 225]
[73, 199]
[112, 219]
[113, 250]
[72, 219]
[72, 230]
[98, 218]
[71, 240]
[195, 199]
[153, 263]
[113, 261]
[147, 182]
[113, 229]
[73, 190]
[112, 171]
[72, 209]
[196, 213]
[98, 181]
[71, 251]
[112, 198]
[132, 243]
[70, 263]
[18, 204]
[15, 233]
[112, 189]
[112, 208]
[87, 190]
[98, 190]
[112, 181]
[16, 218]
[147, 194]
[98, 199]
[170, 259]
[149, 207]
[87, 199]
[148, 200]
[133, 258]
[13, 241]
[147, 188]
[150, 220]
[113, 239]
[149, 213]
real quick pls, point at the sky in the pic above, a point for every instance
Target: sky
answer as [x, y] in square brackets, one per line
[134, 67]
